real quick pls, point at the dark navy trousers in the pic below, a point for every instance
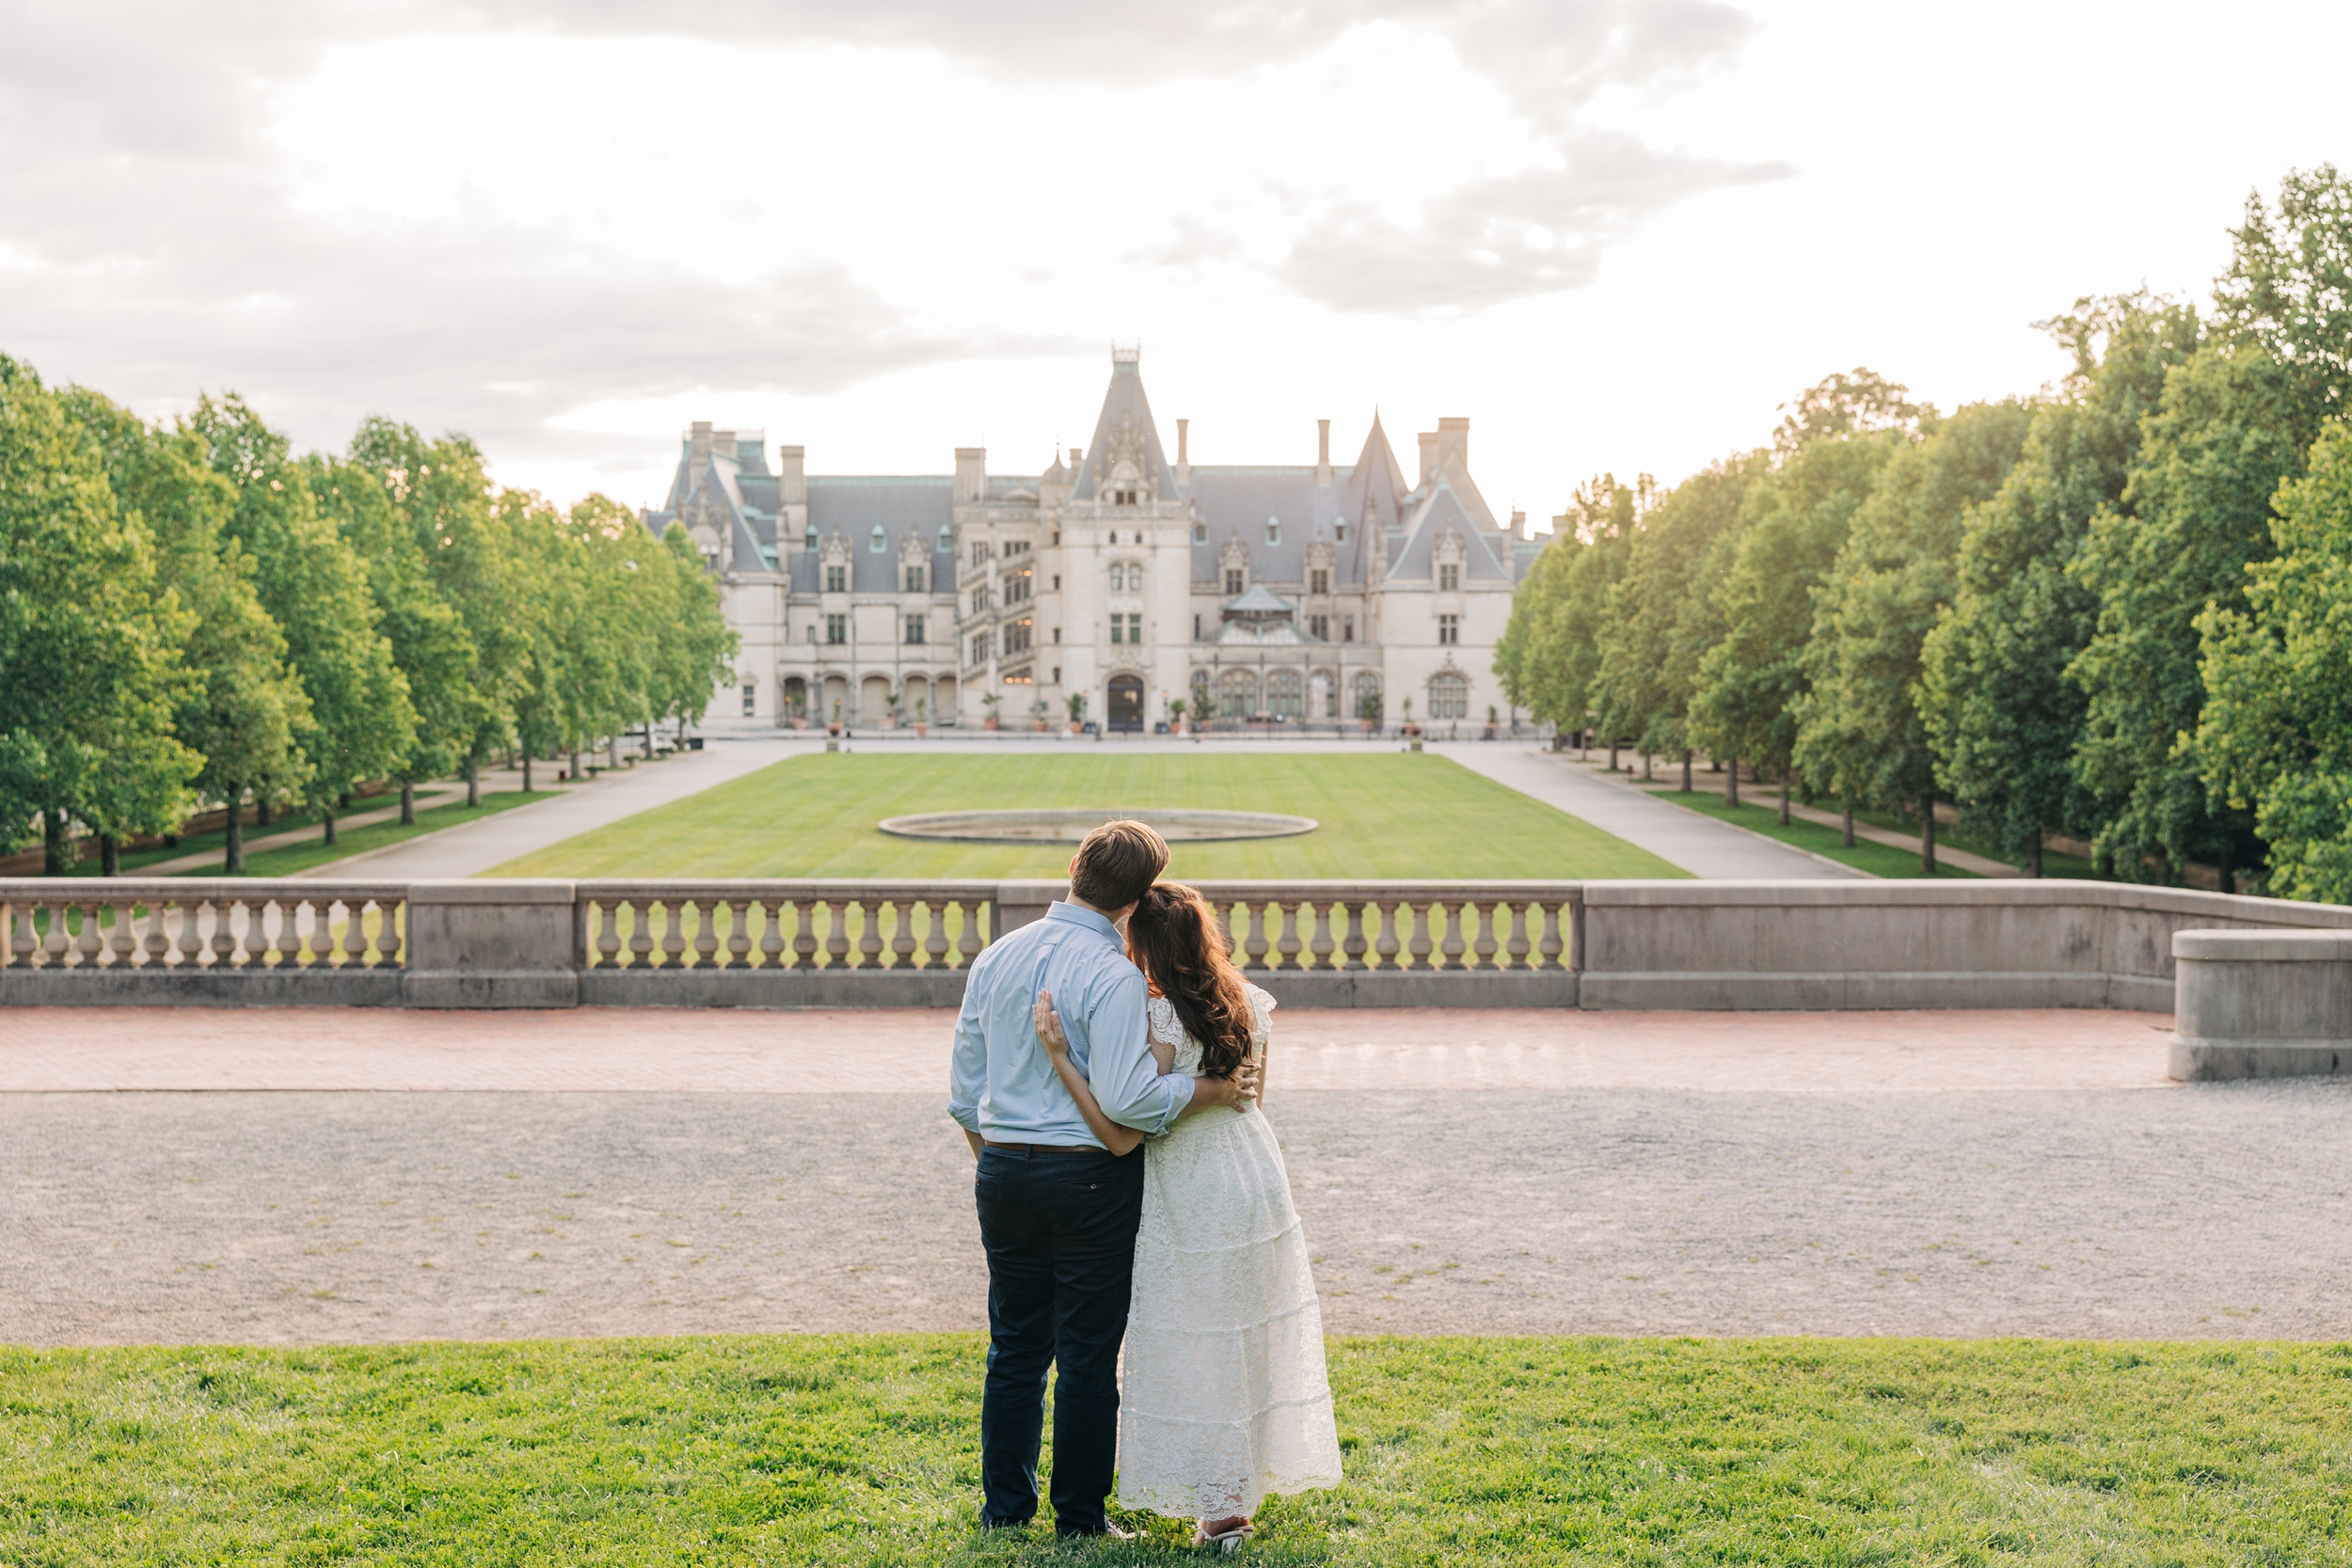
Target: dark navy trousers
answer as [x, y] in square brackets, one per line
[1060, 1225]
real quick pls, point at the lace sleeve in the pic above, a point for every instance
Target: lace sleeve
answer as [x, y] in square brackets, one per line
[1261, 1007]
[1161, 1022]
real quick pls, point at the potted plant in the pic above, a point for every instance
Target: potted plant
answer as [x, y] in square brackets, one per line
[1492, 719]
[990, 703]
[1368, 711]
[1410, 731]
[922, 716]
[1038, 710]
[832, 725]
[890, 718]
[1076, 704]
[800, 713]
[1176, 715]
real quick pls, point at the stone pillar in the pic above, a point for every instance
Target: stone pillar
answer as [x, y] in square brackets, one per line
[2261, 1004]
[491, 944]
[1023, 903]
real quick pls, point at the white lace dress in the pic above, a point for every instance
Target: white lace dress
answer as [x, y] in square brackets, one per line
[1225, 1398]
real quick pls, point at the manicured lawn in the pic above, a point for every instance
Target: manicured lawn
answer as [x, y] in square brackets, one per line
[863, 1451]
[1388, 814]
[1879, 859]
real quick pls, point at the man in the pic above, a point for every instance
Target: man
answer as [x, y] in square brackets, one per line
[1057, 1211]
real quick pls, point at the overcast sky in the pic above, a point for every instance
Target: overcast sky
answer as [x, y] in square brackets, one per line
[1615, 235]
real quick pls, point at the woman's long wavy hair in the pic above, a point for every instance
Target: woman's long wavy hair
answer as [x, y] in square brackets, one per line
[1174, 937]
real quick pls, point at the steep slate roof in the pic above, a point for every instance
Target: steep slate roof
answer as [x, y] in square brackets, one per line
[922, 505]
[1124, 404]
[1446, 509]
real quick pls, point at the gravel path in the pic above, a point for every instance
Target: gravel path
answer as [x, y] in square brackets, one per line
[2212, 1210]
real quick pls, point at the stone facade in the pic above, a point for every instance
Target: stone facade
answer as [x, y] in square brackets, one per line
[1317, 592]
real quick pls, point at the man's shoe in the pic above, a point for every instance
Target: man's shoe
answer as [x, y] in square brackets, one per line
[1108, 1532]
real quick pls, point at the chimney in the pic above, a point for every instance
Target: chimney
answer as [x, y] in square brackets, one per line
[1428, 459]
[1518, 523]
[1453, 445]
[697, 452]
[1184, 451]
[1323, 454]
[971, 474]
[791, 476]
[1077, 460]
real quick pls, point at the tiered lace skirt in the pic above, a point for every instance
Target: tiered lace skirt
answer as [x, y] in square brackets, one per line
[1225, 1398]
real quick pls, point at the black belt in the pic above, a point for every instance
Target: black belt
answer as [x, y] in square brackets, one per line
[1046, 1149]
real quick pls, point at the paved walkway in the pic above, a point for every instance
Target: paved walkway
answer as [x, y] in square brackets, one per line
[472, 850]
[1509, 1172]
[1699, 845]
[264, 838]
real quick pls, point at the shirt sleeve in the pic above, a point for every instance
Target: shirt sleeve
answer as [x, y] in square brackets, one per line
[967, 1068]
[1127, 1082]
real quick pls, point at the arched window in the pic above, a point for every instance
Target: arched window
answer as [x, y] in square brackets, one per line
[1237, 694]
[1367, 695]
[1201, 693]
[882, 540]
[1323, 695]
[1285, 694]
[1448, 695]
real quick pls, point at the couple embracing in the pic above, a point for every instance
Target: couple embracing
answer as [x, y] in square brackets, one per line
[1117, 1021]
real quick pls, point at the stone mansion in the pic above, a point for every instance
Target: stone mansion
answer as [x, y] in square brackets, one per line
[1315, 592]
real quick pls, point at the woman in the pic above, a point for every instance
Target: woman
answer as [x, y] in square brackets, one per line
[1225, 1396]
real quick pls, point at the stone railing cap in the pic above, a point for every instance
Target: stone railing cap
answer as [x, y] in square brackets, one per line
[491, 890]
[2263, 946]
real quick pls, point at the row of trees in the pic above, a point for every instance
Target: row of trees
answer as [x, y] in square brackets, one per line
[191, 612]
[2120, 609]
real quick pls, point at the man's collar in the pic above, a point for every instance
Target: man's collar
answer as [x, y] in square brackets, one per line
[1093, 920]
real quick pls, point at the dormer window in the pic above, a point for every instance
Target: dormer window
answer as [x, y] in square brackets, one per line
[1338, 534]
[1449, 577]
[881, 540]
[1122, 497]
[808, 540]
[837, 580]
[946, 538]
[1199, 531]
[1274, 531]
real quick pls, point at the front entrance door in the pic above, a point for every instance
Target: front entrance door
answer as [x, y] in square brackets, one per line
[1126, 702]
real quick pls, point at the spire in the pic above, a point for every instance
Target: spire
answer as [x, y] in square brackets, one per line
[1126, 445]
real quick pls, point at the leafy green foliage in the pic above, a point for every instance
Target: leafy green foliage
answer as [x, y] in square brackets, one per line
[90, 668]
[2277, 728]
[1661, 618]
[1549, 653]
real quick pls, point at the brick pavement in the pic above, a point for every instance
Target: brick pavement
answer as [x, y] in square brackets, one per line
[903, 1051]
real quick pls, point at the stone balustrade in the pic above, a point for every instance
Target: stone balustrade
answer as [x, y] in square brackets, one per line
[2261, 1004]
[1635, 945]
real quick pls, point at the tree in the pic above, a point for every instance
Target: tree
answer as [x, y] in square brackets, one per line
[1999, 710]
[443, 491]
[1550, 651]
[2277, 728]
[89, 665]
[1794, 521]
[1859, 734]
[245, 711]
[431, 646]
[1661, 618]
[315, 587]
[2237, 418]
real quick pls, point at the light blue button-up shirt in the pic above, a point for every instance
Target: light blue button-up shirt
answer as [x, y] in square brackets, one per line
[1002, 1085]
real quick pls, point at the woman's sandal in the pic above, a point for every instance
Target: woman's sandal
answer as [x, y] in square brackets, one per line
[1227, 1541]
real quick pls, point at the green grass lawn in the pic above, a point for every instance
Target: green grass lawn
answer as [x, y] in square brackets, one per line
[1879, 859]
[1383, 815]
[864, 1451]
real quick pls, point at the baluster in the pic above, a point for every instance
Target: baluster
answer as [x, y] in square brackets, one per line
[16, 923]
[705, 931]
[674, 933]
[770, 932]
[1419, 947]
[1319, 951]
[1261, 934]
[836, 933]
[123, 948]
[1487, 915]
[188, 937]
[638, 913]
[1517, 947]
[157, 941]
[355, 945]
[391, 936]
[225, 933]
[1452, 918]
[870, 938]
[1286, 947]
[935, 933]
[306, 922]
[604, 920]
[803, 934]
[739, 933]
[968, 942]
[54, 943]
[1355, 914]
[265, 932]
[1547, 944]
[1383, 914]
[88, 944]
[902, 943]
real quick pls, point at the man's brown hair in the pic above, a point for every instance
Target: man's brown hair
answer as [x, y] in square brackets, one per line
[1116, 863]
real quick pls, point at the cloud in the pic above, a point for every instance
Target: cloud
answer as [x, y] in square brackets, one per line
[152, 239]
[1495, 240]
